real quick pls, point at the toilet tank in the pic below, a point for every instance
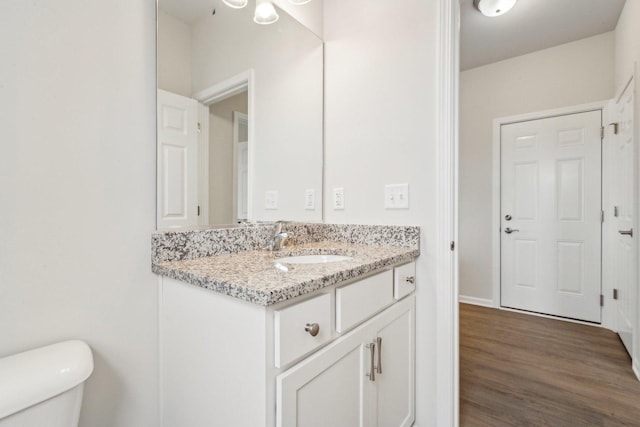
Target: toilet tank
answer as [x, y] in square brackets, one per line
[43, 387]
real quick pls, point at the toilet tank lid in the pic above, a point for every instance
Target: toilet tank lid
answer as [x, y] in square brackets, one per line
[34, 376]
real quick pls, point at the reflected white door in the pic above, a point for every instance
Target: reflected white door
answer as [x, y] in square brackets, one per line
[177, 180]
[623, 190]
[551, 215]
[241, 165]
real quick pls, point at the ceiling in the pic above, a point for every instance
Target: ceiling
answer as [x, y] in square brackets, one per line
[530, 26]
[188, 11]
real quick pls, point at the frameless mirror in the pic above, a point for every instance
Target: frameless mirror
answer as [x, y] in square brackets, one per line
[239, 116]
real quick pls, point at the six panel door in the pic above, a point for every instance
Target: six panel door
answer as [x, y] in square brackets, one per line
[551, 215]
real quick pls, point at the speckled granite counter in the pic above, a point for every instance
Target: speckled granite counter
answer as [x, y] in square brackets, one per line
[232, 261]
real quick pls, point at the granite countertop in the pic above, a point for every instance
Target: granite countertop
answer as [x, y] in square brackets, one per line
[253, 275]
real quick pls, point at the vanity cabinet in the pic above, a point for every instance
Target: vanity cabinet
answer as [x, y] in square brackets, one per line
[229, 362]
[365, 378]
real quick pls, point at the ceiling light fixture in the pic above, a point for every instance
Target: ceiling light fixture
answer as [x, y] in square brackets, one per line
[236, 4]
[493, 8]
[265, 12]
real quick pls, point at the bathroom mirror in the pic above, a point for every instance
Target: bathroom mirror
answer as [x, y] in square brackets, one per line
[239, 116]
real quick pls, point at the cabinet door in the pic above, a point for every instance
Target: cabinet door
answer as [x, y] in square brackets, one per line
[395, 381]
[328, 388]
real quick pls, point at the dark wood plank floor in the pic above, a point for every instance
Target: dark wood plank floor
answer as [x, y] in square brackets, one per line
[522, 370]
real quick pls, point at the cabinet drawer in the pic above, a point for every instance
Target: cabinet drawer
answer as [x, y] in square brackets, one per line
[360, 300]
[291, 338]
[404, 280]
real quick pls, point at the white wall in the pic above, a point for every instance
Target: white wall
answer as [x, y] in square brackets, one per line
[77, 174]
[174, 54]
[287, 95]
[310, 14]
[627, 56]
[565, 75]
[380, 74]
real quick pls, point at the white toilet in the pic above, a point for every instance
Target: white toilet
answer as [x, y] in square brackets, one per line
[43, 387]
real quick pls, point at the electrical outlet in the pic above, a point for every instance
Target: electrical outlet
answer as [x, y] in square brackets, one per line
[396, 196]
[338, 198]
[310, 200]
[271, 199]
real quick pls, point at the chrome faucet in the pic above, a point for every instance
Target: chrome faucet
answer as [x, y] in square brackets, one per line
[279, 237]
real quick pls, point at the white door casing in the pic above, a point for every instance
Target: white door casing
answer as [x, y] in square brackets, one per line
[622, 211]
[203, 165]
[177, 151]
[551, 188]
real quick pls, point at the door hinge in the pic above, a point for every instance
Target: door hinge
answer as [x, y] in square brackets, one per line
[601, 300]
[198, 210]
[602, 132]
[615, 294]
[452, 246]
[199, 127]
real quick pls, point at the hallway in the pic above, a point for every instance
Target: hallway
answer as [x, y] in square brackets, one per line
[523, 370]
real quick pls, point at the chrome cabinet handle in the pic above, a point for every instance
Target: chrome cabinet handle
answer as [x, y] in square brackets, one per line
[410, 279]
[372, 367]
[312, 328]
[379, 342]
[509, 230]
[626, 232]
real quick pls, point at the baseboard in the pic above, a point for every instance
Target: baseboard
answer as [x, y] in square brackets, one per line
[475, 301]
[635, 368]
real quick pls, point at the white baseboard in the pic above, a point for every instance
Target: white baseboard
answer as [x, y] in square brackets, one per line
[475, 301]
[635, 368]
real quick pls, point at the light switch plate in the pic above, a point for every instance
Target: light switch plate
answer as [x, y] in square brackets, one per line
[338, 198]
[396, 196]
[271, 199]
[310, 199]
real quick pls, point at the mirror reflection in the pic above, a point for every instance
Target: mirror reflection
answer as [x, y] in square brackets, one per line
[239, 117]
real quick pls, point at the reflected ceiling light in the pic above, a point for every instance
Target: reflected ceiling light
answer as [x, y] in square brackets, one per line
[265, 12]
[493, 8]
[236, 4]
[299, 1]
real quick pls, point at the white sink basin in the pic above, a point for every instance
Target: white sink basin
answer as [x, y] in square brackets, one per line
[313, 259]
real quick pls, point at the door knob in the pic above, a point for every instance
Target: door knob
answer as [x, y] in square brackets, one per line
[509, 230]
[626, 232]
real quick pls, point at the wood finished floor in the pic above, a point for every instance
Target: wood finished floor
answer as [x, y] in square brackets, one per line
[522, 370]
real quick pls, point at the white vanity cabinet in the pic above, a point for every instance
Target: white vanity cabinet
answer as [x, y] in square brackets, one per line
[227, 362]
[365, 378]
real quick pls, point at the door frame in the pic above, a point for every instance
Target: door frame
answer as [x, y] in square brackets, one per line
[234, 85]
[607, 309]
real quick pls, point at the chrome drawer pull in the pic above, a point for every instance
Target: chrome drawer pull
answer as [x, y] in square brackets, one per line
[312, 328]
[379, 341]
[410, 279]
[372, 367]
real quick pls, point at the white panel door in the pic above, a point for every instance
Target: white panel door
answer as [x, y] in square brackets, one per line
[396, 371]
[328, 388]
[177, 150]
[241, 165]
[623, 191]
[551, 215]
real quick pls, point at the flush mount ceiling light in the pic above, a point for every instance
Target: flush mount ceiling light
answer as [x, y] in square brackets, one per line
[265, 12]
[236, 4]
[493, 8]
